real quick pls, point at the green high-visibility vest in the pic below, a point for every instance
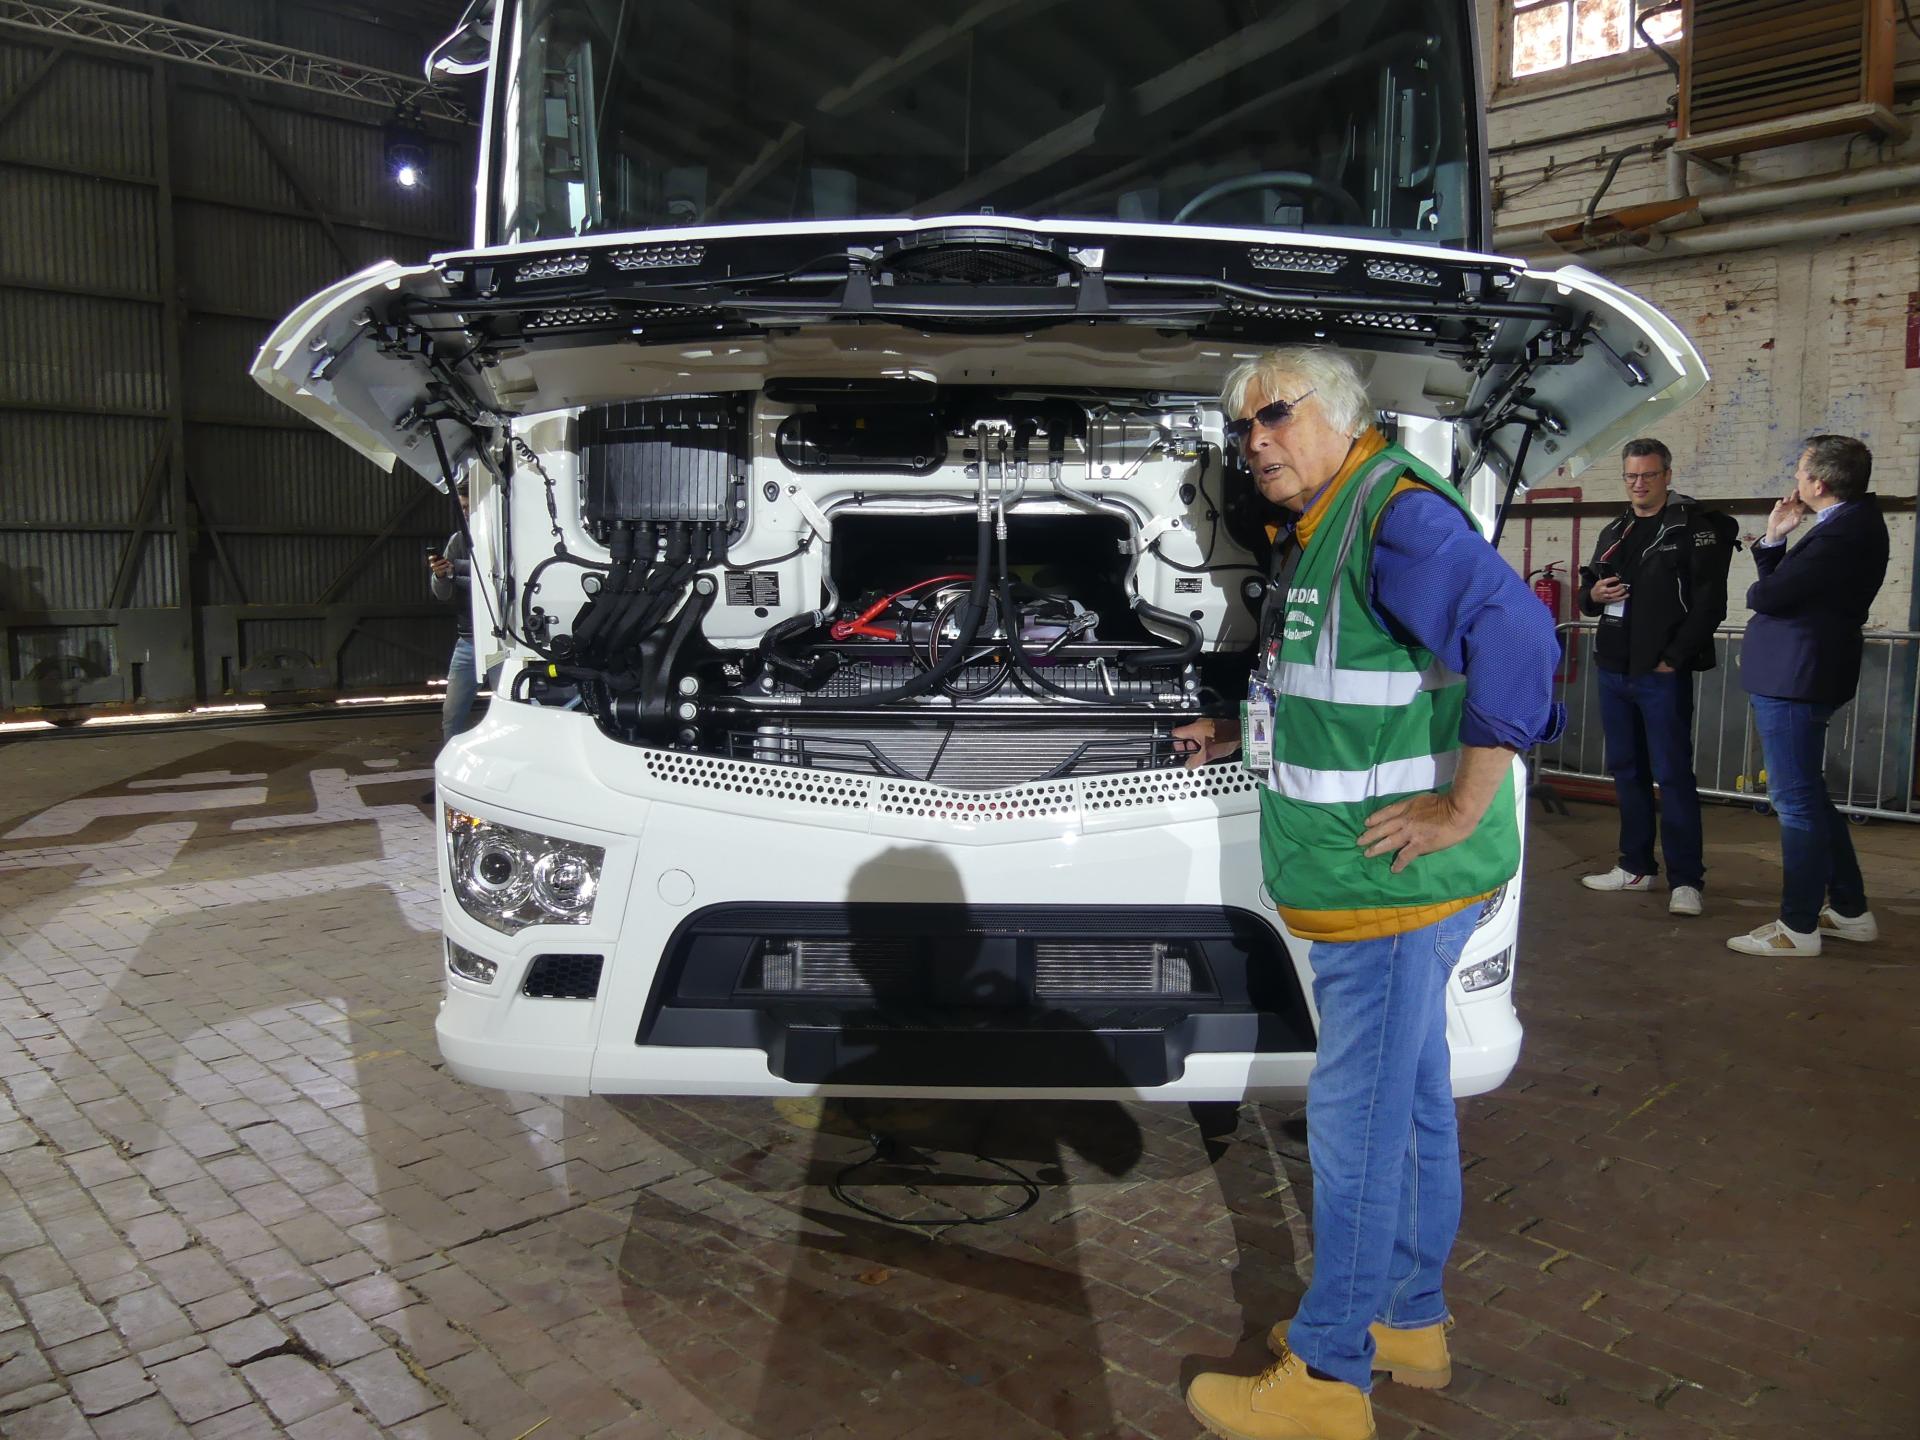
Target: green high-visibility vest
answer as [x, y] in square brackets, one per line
[1362, 720]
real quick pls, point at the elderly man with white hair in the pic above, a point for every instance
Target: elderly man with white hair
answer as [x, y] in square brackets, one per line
[1402, 665]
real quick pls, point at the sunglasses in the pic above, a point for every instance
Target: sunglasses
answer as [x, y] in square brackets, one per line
[1271, 416]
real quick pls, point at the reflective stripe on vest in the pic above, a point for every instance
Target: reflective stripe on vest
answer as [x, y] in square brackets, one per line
[1351, 787]
[1322, 681]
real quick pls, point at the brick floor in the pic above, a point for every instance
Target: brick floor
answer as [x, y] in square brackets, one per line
[239, 1198]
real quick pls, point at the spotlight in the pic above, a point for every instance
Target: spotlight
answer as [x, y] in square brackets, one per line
[406, 140]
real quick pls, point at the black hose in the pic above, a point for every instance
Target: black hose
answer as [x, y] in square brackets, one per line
[1613, 170]
[1029, 674]
[1182, 655]
[971, 615]
[805, 676]
[1640, 25]
[607, 602]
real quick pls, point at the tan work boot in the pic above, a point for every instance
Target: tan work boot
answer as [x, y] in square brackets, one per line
[1414, 1358]
[1282, 1402]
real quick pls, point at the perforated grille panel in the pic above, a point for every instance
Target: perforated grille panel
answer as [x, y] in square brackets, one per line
[1161, 787]
[563, 977]
[1052, 800]
[1274, 312]
[567, 317]
[1306, 262]
[1391, 320]
[767, 782]
[656, 257]
[934, 802]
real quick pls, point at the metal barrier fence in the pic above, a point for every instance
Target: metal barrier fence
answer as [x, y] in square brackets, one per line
[1871, 744]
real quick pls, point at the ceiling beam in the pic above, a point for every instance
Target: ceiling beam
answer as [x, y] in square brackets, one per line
[158, 38]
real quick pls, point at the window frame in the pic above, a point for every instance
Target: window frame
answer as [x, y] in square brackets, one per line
[1574, 73]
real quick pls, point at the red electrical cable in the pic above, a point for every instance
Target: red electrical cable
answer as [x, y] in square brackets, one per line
[863, 624]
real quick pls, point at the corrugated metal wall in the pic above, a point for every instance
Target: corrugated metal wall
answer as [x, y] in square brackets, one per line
[168, 539]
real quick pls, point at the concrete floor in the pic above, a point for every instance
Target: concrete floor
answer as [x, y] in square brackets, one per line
[238, 1195]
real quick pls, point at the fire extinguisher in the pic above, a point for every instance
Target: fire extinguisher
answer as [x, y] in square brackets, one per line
[1548, 587]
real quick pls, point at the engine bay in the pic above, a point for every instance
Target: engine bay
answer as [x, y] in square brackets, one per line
[972, 585]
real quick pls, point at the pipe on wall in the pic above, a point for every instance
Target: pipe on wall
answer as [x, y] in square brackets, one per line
[1738, 235]
[1727, 204]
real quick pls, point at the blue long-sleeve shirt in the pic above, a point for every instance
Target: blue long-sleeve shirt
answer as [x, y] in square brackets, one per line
[1436, 583]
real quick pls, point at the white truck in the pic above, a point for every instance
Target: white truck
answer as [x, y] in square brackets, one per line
[836, 383]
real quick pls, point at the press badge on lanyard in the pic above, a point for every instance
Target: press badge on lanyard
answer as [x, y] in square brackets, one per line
[1256, 720]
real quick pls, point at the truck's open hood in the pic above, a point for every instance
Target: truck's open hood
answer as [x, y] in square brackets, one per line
[1556, 367]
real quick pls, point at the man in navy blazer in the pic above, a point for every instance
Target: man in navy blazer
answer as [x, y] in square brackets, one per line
[1800, 663]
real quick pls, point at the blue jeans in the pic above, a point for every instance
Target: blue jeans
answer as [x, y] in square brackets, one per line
[1383, 1141]
[1648, 720]
[463, 684]
[1815, 849]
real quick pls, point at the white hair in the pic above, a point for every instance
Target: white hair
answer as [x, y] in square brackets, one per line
[1333, 378]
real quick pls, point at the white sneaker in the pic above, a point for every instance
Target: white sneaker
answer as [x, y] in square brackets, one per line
[1777, 941]
[1859, 927]
[1618, 879]
[1685, 900]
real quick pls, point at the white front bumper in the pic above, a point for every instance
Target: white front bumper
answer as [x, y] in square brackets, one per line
[685, 832]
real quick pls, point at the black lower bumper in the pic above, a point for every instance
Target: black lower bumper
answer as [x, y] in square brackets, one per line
[958, 995]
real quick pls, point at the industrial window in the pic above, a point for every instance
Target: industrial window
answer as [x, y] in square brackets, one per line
[1551, 35]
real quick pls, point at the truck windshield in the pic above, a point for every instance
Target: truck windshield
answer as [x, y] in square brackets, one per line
[1352, 117]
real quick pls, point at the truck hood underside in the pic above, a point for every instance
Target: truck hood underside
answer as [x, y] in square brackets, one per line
[1554, 368]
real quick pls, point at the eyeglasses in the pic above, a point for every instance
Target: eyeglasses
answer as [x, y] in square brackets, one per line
[1272, 416]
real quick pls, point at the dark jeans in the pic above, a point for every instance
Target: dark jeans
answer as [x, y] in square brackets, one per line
[1648, 721]
[1815, 848]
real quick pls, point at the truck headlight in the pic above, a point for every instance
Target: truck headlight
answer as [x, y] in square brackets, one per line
[1485, 974]
[508, 879]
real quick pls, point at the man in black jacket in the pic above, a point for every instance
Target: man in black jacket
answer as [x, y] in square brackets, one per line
[1658, 585]
[1800, 663]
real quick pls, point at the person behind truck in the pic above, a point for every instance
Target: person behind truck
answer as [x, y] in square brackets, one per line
[451, 582]
[1402, 665]
[1800, 663]
[1657, 583]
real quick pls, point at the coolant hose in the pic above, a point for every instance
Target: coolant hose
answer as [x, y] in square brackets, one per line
[1182, 655]
[1028, 671]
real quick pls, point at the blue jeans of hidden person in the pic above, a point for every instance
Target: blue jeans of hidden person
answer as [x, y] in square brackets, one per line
[1816, 850]
[463, 684]
[1384, 1143]
[1648, 720]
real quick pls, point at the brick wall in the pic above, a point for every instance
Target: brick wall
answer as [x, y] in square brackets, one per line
[1800, 339]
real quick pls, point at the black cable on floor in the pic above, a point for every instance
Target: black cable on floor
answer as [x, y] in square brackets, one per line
[885, 1149]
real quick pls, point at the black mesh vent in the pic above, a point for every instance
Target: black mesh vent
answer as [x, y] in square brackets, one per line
[973, 257]
[563, 977]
